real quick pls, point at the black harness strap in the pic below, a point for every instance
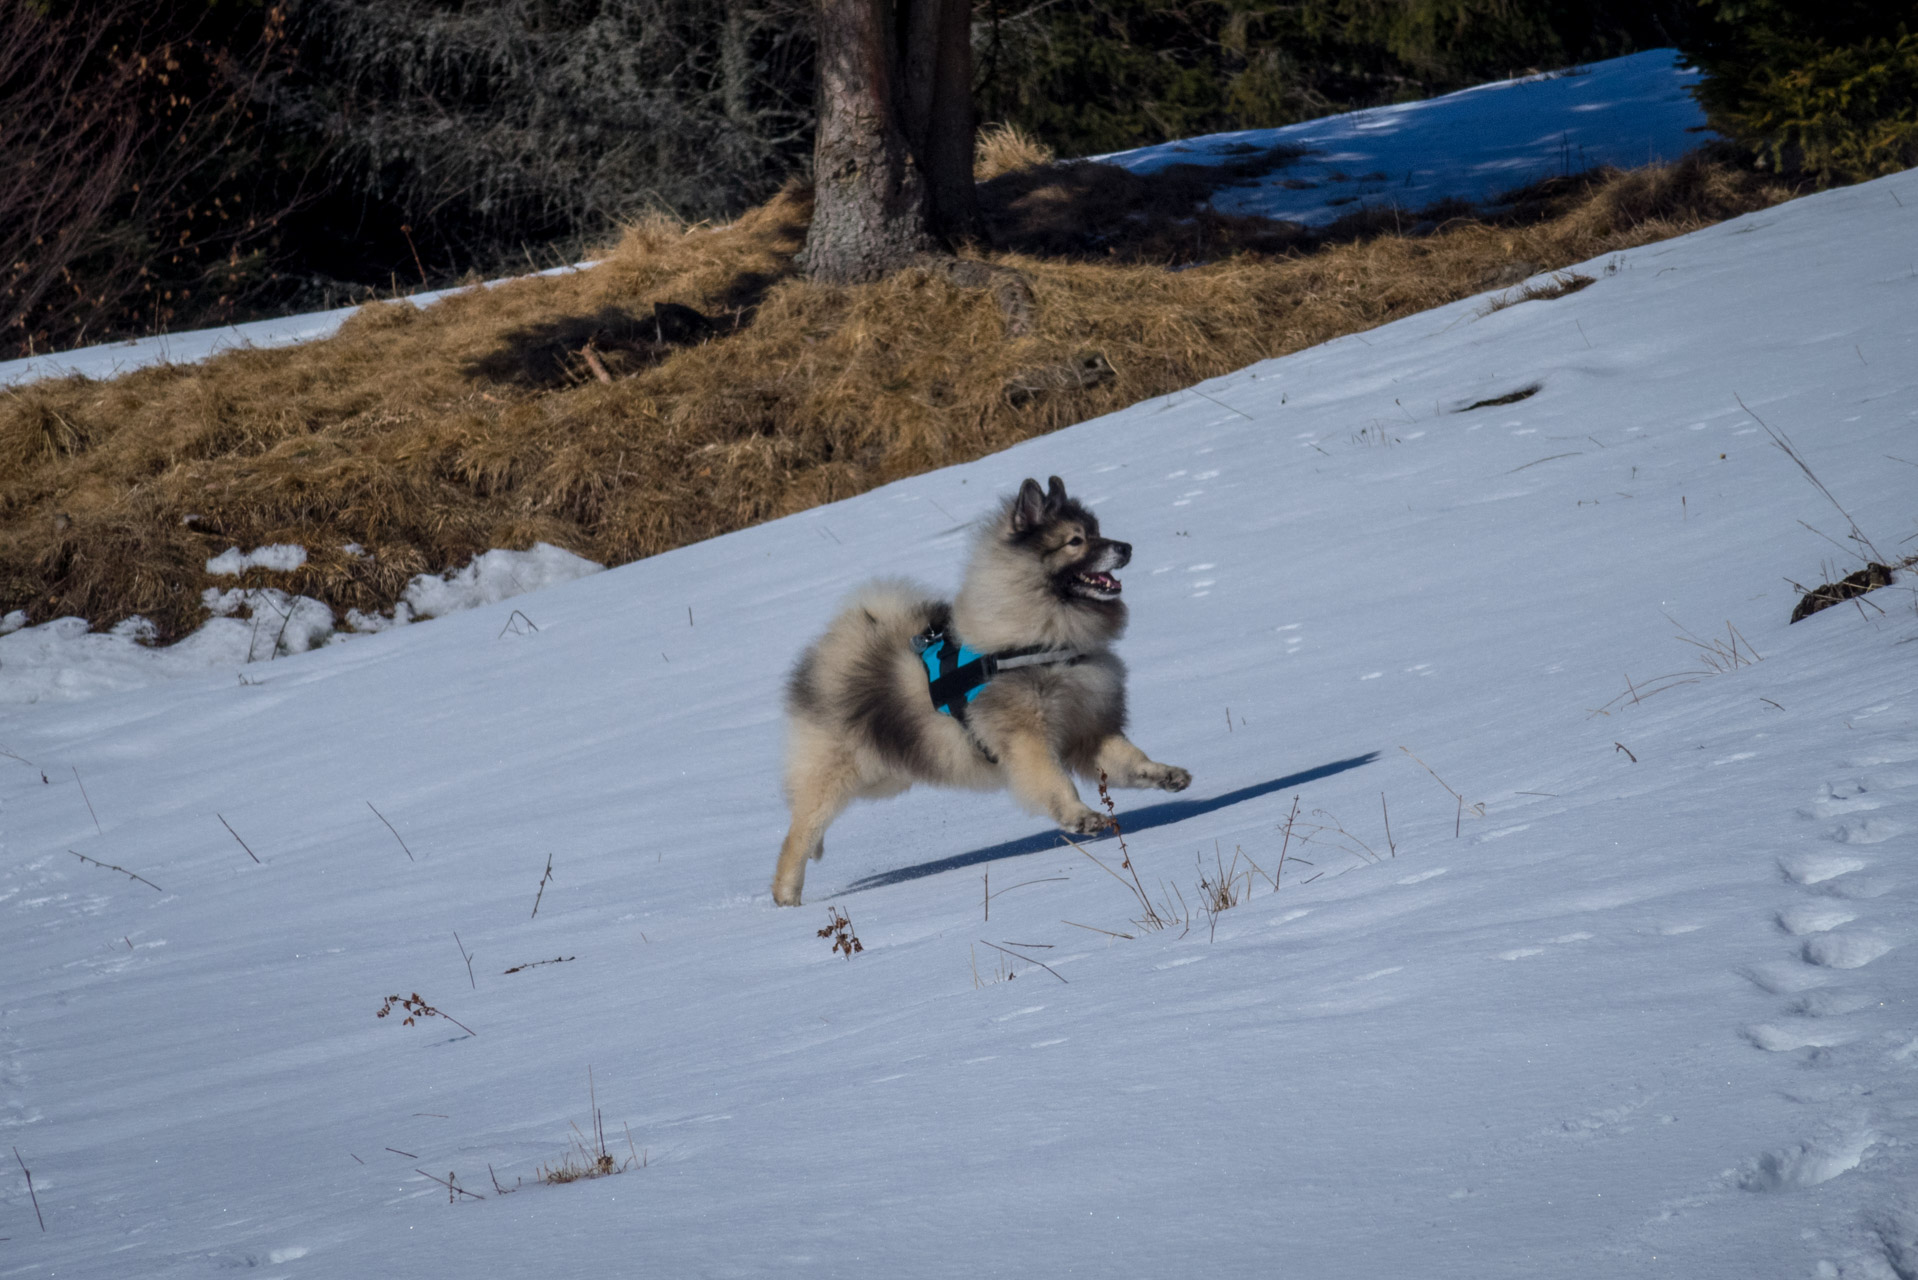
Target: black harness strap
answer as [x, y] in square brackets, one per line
[955, 674]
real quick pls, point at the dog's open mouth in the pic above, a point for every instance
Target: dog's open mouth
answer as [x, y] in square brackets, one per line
[1100, 586]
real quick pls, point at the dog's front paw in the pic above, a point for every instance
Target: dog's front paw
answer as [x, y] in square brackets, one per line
[1086, 822]
[1173, 778]
[785, 895]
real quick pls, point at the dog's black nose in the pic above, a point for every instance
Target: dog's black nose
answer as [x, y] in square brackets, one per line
[1124, 551]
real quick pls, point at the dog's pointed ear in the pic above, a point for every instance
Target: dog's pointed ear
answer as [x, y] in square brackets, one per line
[1056, 494]
[1029, 508]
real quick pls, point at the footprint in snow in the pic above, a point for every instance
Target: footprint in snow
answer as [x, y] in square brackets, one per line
[1785, 977]
[1866, 831]
[1815, 868]
[1845, 950]
[1814, 917]
[1857, 886]
[1843, 797]
[1807, 1164]
[1776, 1039]
[1829, 1003]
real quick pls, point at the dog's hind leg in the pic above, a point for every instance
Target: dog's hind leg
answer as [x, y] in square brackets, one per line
[819, 792]
[1124, 765]
[1039, 782]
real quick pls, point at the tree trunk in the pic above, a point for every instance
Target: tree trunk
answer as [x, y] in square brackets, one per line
[892, 164]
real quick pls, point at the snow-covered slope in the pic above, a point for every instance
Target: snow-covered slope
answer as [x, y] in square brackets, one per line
[1473, 145]
[1637, 1002]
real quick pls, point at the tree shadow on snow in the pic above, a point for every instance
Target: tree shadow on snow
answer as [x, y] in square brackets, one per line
[1132, 821]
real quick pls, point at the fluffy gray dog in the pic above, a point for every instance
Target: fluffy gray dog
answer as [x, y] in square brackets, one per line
[1011, 685]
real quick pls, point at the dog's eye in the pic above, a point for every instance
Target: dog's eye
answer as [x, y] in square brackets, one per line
[1077, 541]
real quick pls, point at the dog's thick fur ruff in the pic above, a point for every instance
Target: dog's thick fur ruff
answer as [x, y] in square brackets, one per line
[860, 722]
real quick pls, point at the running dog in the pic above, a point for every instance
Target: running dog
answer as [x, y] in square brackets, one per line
[1013, 684]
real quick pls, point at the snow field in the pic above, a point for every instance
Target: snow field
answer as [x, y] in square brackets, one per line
[1646, 1013]
[1473, 145]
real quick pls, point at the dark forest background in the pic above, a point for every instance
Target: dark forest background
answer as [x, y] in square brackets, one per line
[169, 164]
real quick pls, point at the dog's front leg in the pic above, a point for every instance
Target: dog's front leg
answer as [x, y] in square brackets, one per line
[1124, 765]
[1040, 783]
[818, 796]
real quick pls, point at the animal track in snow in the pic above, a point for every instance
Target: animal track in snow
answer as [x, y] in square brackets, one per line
[1866, 831]
[1827, 1003]
[1814, 868]
[1856, 886]
[1807, 1164]
[1814, 917]
[1843, 797]
[1784, 1039]
[1845, 950]
[1785, 977]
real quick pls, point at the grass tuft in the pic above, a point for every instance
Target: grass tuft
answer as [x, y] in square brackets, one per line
[427, 437]
[1006, 148]
[588, 1156]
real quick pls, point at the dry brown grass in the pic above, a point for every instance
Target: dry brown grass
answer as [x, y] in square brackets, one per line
[1006, 148]
[411, 434]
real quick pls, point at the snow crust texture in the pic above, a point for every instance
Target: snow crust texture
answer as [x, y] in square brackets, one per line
[1626, 990]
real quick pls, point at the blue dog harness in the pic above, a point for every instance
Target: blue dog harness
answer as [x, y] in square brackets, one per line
[956, 672]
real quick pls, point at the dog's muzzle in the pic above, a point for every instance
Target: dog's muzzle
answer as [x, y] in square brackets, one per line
[1099, 583]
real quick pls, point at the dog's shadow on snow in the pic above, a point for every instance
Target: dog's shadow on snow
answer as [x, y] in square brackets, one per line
[1132, 821]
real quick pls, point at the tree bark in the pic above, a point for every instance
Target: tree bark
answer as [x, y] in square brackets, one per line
[892, 164]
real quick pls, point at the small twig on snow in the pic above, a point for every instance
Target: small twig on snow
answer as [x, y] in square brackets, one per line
[542, 887]
[1285, 845]
[509, 623]
[468, 957]
[236, 835]
[83, 796]
[450, 1186]
[122, 870]
[1094, 928]
[394, 830]
[30, 1191]
[1028, 959]
[536, 964]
